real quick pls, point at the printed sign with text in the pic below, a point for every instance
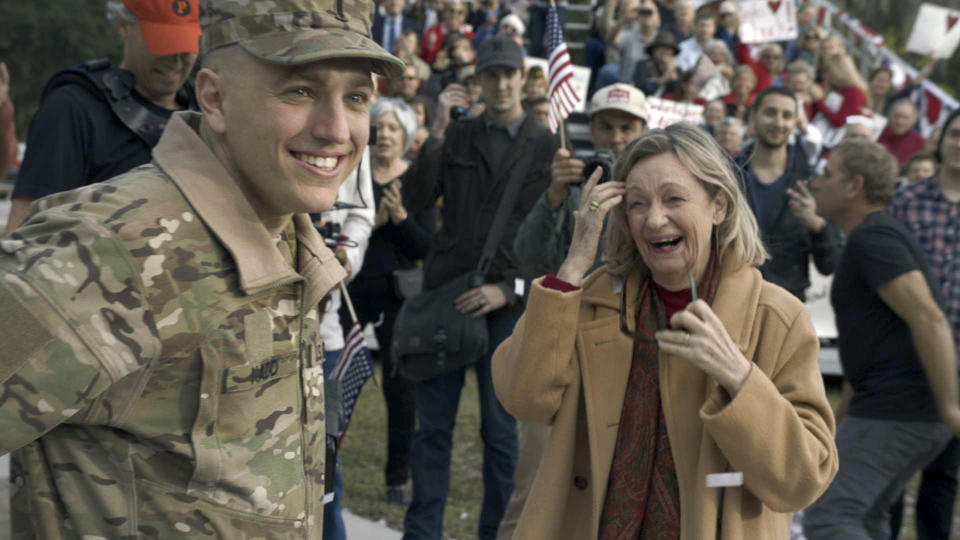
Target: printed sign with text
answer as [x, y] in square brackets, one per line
[664, 112]
[762, 20]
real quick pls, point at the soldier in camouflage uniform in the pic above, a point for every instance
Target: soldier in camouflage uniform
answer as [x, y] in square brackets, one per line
[162, 373]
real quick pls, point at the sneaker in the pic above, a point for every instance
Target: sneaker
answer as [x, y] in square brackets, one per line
[396, 495]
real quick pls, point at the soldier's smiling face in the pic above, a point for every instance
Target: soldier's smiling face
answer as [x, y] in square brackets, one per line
[290, 135]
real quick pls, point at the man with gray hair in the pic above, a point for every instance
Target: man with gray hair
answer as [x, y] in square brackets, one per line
[899, 137]
[162, 373]
[896, 348]
[96, 121]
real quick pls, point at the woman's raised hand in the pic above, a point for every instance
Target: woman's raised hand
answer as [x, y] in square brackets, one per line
[699, 336]
[595, 202]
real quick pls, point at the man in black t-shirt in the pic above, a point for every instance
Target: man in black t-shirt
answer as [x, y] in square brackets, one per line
[896, 349]
[77, 137]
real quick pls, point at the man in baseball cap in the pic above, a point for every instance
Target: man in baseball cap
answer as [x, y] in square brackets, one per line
[618, 115]
[163, 367]
[102, 121]
[168, 27]
[471, 161]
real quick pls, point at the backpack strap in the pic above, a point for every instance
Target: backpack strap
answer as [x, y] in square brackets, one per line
[116, 86]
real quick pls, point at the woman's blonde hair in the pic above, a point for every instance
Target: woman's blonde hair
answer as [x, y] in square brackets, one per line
[737, 237]
[843, 72]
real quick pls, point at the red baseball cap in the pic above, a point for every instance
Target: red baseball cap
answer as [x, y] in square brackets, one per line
[168, 26]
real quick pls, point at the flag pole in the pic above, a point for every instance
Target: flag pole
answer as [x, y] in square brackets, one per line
[563, 131]
[346, 298]
[353, 316]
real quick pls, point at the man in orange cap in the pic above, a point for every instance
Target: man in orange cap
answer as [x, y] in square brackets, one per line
[96, 121]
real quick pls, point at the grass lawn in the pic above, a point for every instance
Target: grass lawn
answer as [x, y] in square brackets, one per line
[365, 453]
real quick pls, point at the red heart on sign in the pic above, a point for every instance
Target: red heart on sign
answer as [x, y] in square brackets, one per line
[774, 6]
[951, 20]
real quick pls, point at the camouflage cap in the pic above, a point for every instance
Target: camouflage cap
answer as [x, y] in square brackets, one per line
[296, 31]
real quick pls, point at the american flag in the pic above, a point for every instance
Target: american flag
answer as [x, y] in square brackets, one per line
[353, 367]
[563, 96]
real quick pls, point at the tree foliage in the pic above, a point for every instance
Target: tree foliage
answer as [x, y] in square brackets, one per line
[40, 37]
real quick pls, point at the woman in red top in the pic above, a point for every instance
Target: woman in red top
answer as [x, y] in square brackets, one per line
[742, 90]
[840, 74]
[454, 19]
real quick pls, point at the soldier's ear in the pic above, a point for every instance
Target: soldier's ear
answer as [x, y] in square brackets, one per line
[210, 98]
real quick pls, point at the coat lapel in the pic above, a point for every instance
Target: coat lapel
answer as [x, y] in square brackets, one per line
[605, 371]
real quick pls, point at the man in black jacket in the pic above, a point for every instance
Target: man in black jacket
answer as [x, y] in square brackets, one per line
[97, 121]
[774, 174]
[471, 166]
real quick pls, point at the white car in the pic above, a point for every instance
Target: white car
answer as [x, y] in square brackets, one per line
[818, 302]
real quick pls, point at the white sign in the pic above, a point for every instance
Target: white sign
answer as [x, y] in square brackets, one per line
[762, 20]
[936, 31]
[664, 112]
[580, 82]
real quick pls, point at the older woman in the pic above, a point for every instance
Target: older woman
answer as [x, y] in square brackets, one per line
[669, 366]
[398, 240]
[743, 88]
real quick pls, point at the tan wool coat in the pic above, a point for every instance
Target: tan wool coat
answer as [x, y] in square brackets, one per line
[567, 365]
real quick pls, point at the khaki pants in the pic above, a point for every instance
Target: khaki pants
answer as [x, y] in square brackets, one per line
[533, 444]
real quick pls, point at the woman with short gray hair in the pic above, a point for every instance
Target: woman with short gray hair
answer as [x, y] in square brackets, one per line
[399, 239]
[403, 114]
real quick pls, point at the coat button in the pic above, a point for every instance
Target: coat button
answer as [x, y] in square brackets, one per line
[580, 482]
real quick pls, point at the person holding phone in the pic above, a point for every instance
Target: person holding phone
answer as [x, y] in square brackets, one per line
[669, 368]
[774, 170]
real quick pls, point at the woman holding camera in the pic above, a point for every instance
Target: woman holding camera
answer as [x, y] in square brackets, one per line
[670, 367]
[398, 241]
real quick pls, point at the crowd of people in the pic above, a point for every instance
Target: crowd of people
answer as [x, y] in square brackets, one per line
[178, 233]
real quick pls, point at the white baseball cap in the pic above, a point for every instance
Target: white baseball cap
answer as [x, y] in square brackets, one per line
[620, 97]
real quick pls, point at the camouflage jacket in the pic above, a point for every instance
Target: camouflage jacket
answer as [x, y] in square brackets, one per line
[162, 370]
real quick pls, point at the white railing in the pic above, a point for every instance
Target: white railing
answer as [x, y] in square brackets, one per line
[868, 47]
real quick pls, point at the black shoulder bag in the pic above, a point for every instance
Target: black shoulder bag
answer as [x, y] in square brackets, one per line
[430, 336]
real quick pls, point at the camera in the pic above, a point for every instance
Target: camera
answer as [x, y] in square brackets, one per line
[330, 232]
[602, 158]
[457, 112]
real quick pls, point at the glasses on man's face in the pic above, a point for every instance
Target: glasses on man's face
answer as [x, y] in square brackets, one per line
[409, 77]
[456, 12]
[771, 57]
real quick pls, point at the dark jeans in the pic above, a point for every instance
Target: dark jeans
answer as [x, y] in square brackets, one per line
[935, 499]
[877, 458]
[375, 302]
[437, 403]
[333, 526]
[537, 28]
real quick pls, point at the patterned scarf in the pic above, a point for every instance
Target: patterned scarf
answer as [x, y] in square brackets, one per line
[643, 495]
